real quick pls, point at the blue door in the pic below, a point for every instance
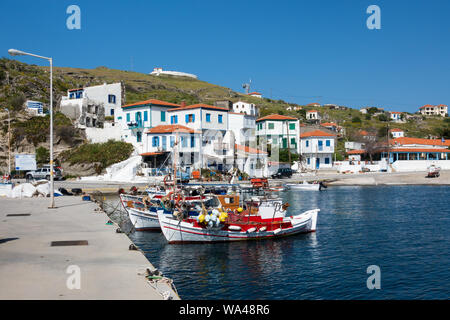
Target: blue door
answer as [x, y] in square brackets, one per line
[317, 163]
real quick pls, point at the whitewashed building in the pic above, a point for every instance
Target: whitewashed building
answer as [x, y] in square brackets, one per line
[430, 110]
[134, 119]
[396, 116]
[312, 115]
[110, 96]
[317, 149]
[243, 127]
[397, 133]
[245, 107]
[279, 131]
[251, 160]
[35, 108]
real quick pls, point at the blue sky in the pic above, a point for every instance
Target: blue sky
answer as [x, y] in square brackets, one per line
[298, 51]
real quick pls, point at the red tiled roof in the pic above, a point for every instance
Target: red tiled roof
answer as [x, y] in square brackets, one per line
[152, 101]
[316, 133]
[276, 117]
[170, 128]
[420, 141]
[75, 89]
[328, 124]
[396, 112]
[254, 93]
[356, 151]
[397, 130]
[199, 105]
[249, 149]
[311, 111]
[431, 106]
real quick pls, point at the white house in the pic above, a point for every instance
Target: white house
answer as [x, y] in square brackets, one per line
[317, 149]
[312, 115]
[396, 116]
[255, 94]
[279, 131]
[245, 107]
[397, 133]
[243, 127]
[35, 107]
[159, 71]
[430, 110]
[251, 160]
[217, 143]
[134, 119]
[160, 144]
[109, 95]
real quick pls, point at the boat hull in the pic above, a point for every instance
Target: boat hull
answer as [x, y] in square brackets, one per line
[184, 232]
[306, 187]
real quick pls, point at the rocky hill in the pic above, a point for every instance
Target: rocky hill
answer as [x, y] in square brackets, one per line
[20, 81]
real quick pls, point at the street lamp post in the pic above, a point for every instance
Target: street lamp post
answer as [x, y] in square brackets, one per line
[15, 52]
[9, 142]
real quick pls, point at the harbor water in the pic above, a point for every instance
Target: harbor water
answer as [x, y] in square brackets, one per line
[404, 230]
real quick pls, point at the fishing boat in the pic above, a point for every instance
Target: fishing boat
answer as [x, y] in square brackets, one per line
[270, 221]
[304, 186]
[142, 210]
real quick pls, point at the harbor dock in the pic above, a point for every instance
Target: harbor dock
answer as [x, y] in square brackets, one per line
[70, 252]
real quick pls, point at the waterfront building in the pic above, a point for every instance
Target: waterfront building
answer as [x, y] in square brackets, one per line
[134, 119]
[160, 143]
[251, 160]
[411, 154]
[430, 110]
[317, 149]
[278, 131]
[217, 143]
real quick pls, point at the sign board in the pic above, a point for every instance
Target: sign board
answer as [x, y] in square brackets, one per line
[25, 162]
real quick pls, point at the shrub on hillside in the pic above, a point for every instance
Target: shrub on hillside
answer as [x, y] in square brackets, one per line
[105, 154]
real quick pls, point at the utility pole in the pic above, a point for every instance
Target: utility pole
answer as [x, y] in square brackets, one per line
[288, 144]
[9, 142]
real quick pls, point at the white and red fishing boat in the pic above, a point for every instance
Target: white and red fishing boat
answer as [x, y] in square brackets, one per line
[269, 222]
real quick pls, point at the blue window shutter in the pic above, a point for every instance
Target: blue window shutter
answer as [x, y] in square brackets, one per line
[176, 119]
[128, 117]
[187, 118]
[192, 141]
[193, 118]
[307, 145]
[145, 116]
[327, 143]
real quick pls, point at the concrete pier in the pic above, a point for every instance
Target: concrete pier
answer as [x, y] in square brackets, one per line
[31, 268]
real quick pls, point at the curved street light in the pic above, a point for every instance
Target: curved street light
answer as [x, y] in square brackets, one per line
[15, 52]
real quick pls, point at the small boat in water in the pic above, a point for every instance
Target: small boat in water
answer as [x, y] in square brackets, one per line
[316, 186]
[269, 221]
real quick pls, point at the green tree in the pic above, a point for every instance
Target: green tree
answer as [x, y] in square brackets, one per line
[42, 155]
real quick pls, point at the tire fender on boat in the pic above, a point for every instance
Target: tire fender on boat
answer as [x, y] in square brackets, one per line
[234, 228]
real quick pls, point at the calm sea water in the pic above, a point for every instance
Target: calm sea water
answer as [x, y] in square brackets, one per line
[404, 230]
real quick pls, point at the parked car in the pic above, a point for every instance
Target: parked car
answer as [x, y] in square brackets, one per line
[282, 173]
[44, 173]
